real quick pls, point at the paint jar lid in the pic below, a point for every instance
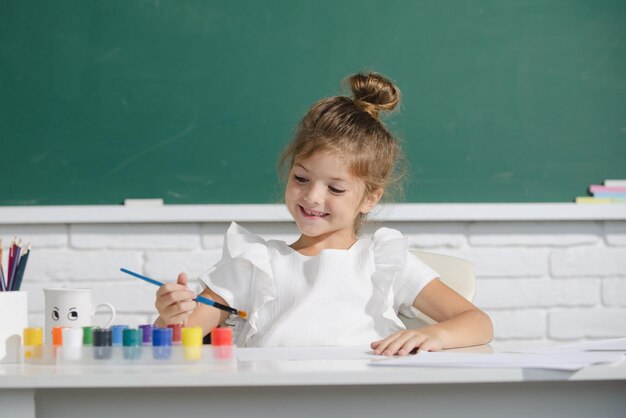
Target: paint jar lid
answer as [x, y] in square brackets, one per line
[222, 336]
[176, 332]
[87, 335]
[33, 336]
[146, 335]
[131, 337]
[57, 336]
[72, 337]
[116, 335]
[102, 337]
[161, 337]
[192, 336]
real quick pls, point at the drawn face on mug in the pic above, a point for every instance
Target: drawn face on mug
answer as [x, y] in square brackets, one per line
[70, 314]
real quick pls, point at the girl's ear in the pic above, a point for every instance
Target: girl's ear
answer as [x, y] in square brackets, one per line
[371, 200]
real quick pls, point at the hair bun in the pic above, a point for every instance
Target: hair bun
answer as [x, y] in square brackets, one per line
[374, 93]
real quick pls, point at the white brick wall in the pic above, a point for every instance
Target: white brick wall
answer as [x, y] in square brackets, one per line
[540, 281]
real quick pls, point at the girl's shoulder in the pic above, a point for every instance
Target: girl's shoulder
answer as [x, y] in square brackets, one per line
[388, 249]
[386, 234]
[239, 243]
[386, 240]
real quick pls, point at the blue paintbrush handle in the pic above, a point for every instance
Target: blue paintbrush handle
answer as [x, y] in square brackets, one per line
[198, 298]
[139, 276]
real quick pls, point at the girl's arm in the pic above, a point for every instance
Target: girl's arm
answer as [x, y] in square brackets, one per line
[176, 305]
[459, 324]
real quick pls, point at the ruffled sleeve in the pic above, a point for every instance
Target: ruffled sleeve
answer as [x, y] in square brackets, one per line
[415, 276]
[243, 277]
[389, 250]
[400, 274]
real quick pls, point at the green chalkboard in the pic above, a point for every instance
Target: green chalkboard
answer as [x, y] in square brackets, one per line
[191, 101]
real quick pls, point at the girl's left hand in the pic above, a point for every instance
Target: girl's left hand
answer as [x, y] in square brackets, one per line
[404, 342]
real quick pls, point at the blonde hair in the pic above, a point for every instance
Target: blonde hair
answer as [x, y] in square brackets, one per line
[351, 126]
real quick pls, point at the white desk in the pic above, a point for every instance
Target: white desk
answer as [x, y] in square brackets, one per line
[311, 388]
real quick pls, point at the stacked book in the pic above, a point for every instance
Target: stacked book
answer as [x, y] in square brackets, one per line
[612, 191]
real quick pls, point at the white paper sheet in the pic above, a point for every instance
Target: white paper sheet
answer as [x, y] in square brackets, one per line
[617, 344]
[557, 361]
[305, 353]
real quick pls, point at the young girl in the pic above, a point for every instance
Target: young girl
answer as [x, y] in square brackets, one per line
[330, 288]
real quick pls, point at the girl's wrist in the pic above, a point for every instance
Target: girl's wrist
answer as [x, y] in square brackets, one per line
[437, 331]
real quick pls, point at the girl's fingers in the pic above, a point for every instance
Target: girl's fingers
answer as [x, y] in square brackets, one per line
[383, 345]
[182, 279]
[431, 344]
[379, 346]
[174, 302]
[396, 344]
[179, 296]
[412, 343]
[169, 287]
[404, 342]
[176, 310]
[176, 296]
[187, 306]
[180, 284]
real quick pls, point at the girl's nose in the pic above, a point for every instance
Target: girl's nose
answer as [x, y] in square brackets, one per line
[313, 195]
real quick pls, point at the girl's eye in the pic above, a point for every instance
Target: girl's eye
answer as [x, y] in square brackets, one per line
[299, 179]
[335, 190]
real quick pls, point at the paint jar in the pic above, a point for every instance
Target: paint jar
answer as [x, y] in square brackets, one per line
[102, 349]
[57, 339]
[222, 342]
[57, 336]
[131, 339]
[88, 336]
[176, 333]
[161, 343]
[72, 344]
[33, 343]
[146, 334]
[192, 343]
[117, 334]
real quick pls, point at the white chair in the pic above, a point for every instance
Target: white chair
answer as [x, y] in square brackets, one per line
[455, 272]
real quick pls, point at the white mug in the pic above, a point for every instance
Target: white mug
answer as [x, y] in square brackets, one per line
[71, 308]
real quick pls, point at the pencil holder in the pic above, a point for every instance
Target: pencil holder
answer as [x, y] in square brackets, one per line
[13, 320]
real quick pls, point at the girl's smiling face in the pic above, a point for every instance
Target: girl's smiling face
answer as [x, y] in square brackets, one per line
[324, 198]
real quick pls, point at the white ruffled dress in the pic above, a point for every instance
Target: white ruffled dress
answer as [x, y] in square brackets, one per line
[335, 298]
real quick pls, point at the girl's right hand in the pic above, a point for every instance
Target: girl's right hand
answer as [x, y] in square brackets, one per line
[174, 301]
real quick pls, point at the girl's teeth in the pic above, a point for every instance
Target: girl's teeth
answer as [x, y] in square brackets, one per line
[311, 213]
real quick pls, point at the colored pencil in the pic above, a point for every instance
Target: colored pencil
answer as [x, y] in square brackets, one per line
[17, 250]
[198, 298]
[10, 264]
[19, 274]
[2, 285]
